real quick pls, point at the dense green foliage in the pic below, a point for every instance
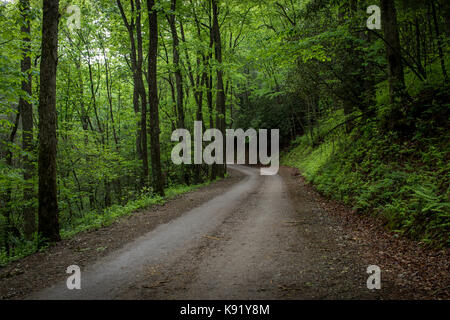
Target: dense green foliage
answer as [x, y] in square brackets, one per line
[393, 162]
[100, 142]
[403, 181]
[324, 80]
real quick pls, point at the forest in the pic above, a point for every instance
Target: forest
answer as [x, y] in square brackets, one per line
[91, 91]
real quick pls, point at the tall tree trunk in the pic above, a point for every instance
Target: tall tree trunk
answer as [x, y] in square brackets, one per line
[143, 95]
[348, 65]
[420, 67]
[220, 99]
[393, 50]
[446, 8]
[138, 132]
[197, 84]
[439, 40]
[209, 87]
[116, 182]
[171, 19]
[158, 182]
[26, 111]
[109, 97]
[176, 63]
[231, 102]
[137, 61]
[7, 197]
[48, 202]
[94, 101]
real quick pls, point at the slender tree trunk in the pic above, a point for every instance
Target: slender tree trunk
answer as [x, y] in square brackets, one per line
[48, 202]
[94, 101]
[109, 97]
[349, 82]
[26, 111]
[116, 182]
[418, 48]
[139, 88]
[176, 63]
[138, 133]
[220, 98]
[171, 18]
[86, 124]
[439, 40]
[446, 14]
[7, 197]
[209, 95]
[143, 95]
[231, 106]
[197, 84]
[158, 183]
[393, 50]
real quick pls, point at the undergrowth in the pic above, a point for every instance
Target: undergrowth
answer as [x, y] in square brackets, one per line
[401, 177]
[94, 220]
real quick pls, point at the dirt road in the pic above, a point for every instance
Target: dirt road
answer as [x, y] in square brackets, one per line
[247, 237]
[248, 243]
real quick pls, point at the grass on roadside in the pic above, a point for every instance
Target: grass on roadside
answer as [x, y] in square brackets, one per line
[94, 220]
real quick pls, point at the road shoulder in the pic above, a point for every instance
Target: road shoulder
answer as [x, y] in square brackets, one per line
[409, 270]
